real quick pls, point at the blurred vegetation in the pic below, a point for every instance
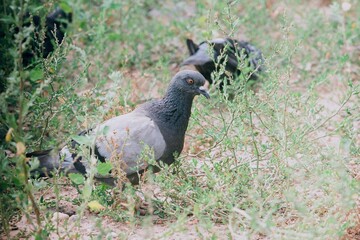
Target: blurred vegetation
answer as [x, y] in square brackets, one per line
[261, 162]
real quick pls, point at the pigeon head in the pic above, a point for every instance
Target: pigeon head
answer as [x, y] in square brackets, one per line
[202, 56]
[229, 53]
[189, 83]
[199, 54]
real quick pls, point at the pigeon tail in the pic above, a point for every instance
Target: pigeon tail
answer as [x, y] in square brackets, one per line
[51, 161]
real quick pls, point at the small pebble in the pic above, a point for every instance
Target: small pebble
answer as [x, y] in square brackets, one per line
[346, 6]
[73, 218]
[58, 216]
[111, 235]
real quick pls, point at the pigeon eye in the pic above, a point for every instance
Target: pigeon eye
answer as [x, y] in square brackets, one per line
[190, 81]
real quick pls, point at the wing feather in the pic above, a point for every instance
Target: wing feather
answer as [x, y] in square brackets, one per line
[126, 139]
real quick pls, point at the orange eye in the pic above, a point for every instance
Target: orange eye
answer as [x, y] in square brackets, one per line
[190, 81]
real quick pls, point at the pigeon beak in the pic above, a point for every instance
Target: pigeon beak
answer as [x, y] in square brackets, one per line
[204, 92]
[199, 58]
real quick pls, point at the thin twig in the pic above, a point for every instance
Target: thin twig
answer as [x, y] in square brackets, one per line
[257, 154]
[218, 142]
[29, 193]
[329, 118]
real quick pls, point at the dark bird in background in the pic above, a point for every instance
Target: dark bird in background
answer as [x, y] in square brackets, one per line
[56, 24]
[234, 50]
[159, 124]
[43, 40]
[54, 28]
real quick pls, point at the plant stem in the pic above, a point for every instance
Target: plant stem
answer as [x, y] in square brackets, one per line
[29, 193]
[20, 68]
[257, 154]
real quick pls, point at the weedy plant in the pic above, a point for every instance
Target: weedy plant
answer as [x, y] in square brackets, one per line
[266, 173]
[271, 160]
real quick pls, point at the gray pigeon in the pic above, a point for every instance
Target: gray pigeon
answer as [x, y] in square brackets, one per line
[159, 124]
[233, 49]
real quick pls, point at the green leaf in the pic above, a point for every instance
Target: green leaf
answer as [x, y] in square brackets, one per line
[105, 130]
[36, 74]
[87, 191]
[114, 36]
[95, 206]
[77, 178]
[104, 168]
[344, 58]
[65, 6]
[84, 140]
[80, 118]
[34, 164]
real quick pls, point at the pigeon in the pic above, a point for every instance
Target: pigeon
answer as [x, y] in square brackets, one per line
[200, 57]
[56, 23]
[159, 124]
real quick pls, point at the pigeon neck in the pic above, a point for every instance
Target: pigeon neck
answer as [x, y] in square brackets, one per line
[171, 114]
[177, 109]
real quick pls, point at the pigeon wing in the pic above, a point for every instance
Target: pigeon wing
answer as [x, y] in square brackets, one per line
[126, 139]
